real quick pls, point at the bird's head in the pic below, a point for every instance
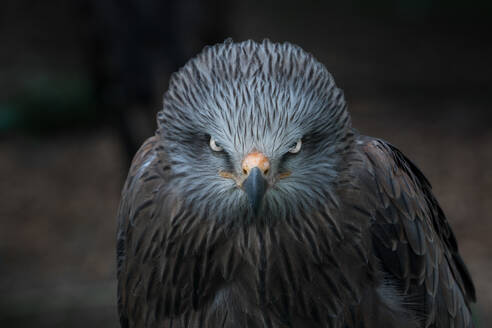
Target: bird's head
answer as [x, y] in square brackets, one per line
[254, 130]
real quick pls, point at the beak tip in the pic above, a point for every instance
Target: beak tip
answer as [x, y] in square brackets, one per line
[255, 188]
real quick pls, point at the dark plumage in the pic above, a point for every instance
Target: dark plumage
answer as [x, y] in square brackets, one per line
[257, 205]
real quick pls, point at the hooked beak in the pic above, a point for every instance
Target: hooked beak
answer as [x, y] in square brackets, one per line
[255, 187]
[255, 165]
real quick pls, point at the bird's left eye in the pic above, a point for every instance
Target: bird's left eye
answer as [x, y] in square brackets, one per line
[214, 145]
[295, 148]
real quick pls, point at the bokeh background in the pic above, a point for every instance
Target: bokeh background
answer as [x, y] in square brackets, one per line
[81, 82]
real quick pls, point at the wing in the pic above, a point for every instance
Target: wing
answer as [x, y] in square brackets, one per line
[136, 201]
[412, 238]
[163, 250]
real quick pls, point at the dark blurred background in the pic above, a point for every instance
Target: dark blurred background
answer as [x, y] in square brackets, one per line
[81, 82]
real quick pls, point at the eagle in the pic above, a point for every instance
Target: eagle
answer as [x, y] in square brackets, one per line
[257, 204]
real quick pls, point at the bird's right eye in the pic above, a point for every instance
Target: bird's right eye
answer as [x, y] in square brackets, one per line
[214, 145]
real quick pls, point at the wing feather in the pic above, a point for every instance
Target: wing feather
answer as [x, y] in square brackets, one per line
[412, 237]
[147, 219]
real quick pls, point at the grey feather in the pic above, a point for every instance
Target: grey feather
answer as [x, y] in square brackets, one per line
[351, 237]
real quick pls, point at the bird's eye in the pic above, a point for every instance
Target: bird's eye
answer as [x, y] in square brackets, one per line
[295, 148]
[214, 145]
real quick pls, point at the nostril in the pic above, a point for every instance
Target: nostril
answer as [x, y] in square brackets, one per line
[266, 171]
[245, 171]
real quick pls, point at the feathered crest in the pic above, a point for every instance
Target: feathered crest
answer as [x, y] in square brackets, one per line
[254, 96]
[250, 92]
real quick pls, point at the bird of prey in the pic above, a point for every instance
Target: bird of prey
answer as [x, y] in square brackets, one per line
[256, 204]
